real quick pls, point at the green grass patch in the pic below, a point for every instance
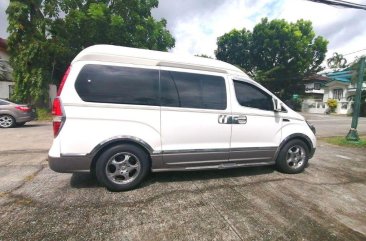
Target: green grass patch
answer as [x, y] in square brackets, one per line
[342, 141]
[44, 114]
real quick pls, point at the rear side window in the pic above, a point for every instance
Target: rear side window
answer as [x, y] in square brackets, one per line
[3, 102]
[179, 89]
[120, 85]
[251, 96]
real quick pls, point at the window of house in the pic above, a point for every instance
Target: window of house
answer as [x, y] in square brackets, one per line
[338, 94]
[316, 86]
[249, 95]
[11, 90]
[181, 89]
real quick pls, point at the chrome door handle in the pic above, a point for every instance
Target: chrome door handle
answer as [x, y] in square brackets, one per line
[239, 119]
[224, 119]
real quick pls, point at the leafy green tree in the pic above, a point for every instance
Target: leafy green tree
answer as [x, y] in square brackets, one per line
[28, 47]
[42, 43]
[234, 47]
[276, 53]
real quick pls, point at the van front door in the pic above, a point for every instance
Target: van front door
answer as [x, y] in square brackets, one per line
[256, 128]
[191, 104]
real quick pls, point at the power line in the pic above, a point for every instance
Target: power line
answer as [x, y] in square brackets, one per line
[354, 52]
[341, 3]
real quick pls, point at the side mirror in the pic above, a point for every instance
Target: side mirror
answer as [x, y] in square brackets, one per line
[276, 105]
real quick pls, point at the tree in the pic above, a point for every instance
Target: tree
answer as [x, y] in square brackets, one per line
[42, 43]
[203, 56]
[337, 61]
[276, 53]
[234, 47]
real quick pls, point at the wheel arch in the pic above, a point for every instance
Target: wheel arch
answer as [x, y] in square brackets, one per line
[100, 148]
[291, 137]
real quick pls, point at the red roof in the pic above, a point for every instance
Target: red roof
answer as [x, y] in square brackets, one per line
[316, 78]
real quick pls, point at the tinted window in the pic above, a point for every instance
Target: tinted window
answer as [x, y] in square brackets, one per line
[250, 96]
[189, 90]
[122, 85]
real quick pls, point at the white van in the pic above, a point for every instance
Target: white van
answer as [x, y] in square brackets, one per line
[123, 112]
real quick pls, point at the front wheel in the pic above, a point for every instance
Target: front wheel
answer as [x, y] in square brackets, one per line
[293, 157]
[6, 121]
[122, 167]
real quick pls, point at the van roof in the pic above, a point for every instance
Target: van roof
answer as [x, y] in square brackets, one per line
[119, 54]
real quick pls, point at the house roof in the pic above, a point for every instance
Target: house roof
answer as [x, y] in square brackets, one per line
[343, 76]
[316, 78]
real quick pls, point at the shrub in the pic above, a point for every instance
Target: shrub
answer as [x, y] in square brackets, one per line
[43, 114]
[332, 103]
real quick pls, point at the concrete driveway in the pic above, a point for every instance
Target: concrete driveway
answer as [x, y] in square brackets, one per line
[326, 202]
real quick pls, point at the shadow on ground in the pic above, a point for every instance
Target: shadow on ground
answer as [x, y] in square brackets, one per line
[86, 180]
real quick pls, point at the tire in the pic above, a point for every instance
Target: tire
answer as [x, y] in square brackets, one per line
[7, 121]
[122, 167]
[20, 124]
[293, 157]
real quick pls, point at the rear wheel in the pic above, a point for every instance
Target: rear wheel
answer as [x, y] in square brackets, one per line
[122, 167]
[293, 157]
[7, 121]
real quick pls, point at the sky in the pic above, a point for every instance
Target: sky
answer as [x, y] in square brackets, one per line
[196, 24]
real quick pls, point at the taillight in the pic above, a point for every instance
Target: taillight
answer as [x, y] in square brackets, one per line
[23, 108]
[63, 81]
[58, 116]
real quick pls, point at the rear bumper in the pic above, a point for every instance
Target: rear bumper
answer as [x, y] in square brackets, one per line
[25, 118]
[69, 164]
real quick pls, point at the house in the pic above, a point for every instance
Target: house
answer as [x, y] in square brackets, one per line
[6, 80]
[314, 94]
[330, 85]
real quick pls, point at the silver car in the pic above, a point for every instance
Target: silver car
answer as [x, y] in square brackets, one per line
[12, 114]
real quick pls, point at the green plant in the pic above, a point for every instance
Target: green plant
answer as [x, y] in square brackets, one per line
[342, 141]
[332, 103]
[43, 114]
[276, 53]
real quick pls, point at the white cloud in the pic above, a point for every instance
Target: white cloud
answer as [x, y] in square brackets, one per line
[3, 21]
[197, 24]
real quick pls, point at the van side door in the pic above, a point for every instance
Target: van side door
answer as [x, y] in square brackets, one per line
[191, 104]
[256, 127]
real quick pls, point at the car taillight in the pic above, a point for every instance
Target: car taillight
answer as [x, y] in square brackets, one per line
[63, 81]
[58, 116]
[23, 108]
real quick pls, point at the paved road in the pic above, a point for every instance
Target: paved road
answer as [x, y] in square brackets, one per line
[329, 125]
[326, 202]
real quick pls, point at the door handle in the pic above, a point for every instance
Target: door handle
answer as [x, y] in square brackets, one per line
[240, 119]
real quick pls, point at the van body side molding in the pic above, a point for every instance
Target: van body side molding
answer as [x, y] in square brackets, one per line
[207, 158]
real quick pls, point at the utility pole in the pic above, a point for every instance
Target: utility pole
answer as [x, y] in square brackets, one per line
[352, 134]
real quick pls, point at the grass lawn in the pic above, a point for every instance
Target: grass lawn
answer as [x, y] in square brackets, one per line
[341, 141]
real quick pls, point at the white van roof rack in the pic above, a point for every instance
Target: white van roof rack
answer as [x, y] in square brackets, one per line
[118, 54]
